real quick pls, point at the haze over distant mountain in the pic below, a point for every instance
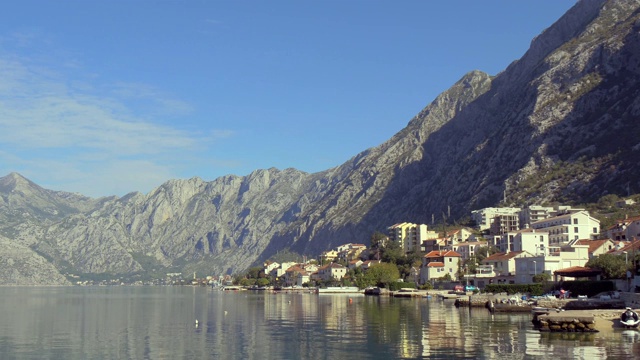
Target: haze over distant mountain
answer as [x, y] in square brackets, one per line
[560, 124]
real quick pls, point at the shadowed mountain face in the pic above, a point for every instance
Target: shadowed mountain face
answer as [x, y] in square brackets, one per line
[560, 124]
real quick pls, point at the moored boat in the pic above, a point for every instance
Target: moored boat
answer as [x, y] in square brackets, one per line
[629, 319]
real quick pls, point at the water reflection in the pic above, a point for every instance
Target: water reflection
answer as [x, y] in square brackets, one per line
[159, 323]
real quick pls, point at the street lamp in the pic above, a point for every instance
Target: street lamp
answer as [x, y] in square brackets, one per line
[626, 268]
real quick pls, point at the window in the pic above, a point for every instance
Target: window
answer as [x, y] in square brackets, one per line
[575, 229]
[541, 238]
[575, 221]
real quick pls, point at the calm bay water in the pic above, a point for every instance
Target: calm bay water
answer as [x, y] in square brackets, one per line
[159, 323]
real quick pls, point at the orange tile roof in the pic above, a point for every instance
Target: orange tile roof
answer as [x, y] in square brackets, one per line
[442, 253]
[593, 244]
[435, 264]
[294, 268]
[629, 246]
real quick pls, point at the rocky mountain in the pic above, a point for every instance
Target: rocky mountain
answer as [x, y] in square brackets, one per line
[559, 124]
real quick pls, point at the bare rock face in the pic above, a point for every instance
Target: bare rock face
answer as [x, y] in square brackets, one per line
[557, 125]
[22, 266]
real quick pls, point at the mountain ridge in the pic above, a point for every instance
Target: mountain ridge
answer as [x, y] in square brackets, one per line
[553, 126]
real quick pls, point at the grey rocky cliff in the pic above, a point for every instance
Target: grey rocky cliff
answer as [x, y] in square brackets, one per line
[560, 124]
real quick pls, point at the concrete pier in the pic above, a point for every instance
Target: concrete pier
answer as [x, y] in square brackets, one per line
[571, 321]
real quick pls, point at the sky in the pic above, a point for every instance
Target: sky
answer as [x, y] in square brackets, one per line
[106, 97]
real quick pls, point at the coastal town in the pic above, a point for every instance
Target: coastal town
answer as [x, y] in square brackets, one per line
[519, 246]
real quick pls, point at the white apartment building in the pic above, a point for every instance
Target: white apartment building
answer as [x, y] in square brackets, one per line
[533, 241]
[468, 249]
[484, 218]
[460, 235]
[437, 264]
[504, 223]
[572, 226]
[504, 265]
[410, 236]
[535, 213]
[501, 220]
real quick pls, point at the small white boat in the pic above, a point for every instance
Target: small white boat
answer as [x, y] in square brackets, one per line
[629, 319]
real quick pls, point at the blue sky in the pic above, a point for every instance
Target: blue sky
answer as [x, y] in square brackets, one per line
[109, 97]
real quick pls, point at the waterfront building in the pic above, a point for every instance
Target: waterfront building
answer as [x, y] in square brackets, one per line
[530, 240]
[332, 271]
[568, 256]
[291, 275]
[571, 226]
[504, 265]
[481, 277]
[438, 263]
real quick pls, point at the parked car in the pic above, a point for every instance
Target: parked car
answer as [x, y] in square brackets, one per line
[470, 288]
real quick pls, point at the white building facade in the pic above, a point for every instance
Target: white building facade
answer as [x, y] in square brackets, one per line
[564, 228]
[410, 236]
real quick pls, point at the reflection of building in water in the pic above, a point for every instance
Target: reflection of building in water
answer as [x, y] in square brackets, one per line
[338, 314]
[451, 331]
[441, 328]
[333, 311]
[290, 307]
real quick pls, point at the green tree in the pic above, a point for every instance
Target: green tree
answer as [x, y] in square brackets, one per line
[383, 274]
[485, 251]
[378, 240]
[247, 282]
[541, 278]
[262, 282]
[255, 272]
[391, 252]
[612, 266]
[608, 201]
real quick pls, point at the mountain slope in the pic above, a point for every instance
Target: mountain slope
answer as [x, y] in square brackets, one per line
[560, 124]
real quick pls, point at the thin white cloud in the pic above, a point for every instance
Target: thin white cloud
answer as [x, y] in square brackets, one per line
[67, 133]
[162, 102]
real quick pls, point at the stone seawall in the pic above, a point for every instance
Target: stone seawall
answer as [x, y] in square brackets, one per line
[567, 322]
[482, 300]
